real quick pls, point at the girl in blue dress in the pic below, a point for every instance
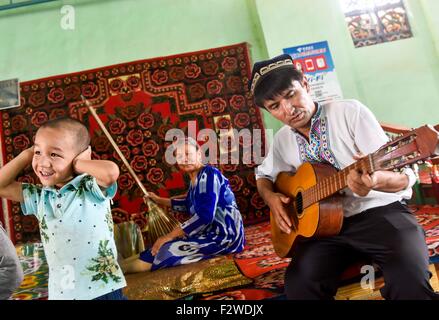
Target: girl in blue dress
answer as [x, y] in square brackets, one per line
[215, 225]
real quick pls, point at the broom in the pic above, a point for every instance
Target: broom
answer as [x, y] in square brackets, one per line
[159, 221]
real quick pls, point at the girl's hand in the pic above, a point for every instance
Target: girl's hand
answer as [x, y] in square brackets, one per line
[152, 196]
[159, 200]
[159, 243]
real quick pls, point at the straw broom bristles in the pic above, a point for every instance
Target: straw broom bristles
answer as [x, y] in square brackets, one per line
[159, 221]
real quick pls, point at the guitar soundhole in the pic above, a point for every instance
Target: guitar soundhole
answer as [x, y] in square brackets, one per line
[299, 203]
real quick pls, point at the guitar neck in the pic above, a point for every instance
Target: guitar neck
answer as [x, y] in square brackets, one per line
[406, 149]
[336, 182]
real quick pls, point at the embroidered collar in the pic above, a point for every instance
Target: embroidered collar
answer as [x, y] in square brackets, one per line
[72, 184]
[318, 147]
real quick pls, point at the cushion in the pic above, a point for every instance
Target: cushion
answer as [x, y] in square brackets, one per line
[177, 282]
[128, 238]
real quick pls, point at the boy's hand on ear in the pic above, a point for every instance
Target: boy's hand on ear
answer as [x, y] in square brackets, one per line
[106, 172]
[28, 154]
[84, 155]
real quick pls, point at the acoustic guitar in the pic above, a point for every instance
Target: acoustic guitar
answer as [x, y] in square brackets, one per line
[315, 205]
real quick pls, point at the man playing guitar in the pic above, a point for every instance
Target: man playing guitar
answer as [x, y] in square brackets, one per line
[377, 223]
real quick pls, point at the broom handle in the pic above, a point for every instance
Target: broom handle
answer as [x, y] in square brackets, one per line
[113, 143]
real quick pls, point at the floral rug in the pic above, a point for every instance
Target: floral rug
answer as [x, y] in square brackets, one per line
[139, 102]
[258, 262]
[36, 272]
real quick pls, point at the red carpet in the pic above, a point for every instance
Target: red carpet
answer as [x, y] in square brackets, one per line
[428, 217]
[139, 101]
[259, 262]
[258, 256]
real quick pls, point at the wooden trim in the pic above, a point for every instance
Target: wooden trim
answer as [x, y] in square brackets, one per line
[397, 129]
[393, 128]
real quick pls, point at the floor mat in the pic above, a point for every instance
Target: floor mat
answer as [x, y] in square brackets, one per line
[428, 218]
[36, 272]
[258, 262]
[186, 280]
[258, 256]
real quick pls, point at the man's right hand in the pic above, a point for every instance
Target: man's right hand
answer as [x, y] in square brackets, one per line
[277, 202]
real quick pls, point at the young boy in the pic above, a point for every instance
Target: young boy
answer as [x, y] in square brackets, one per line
[73, 210]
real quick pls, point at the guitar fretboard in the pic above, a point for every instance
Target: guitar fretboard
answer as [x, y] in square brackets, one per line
[332, 184]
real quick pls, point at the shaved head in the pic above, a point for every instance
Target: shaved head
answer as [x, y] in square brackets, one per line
[73, 126]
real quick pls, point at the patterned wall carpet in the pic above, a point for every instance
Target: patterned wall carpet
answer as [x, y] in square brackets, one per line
[138, 102]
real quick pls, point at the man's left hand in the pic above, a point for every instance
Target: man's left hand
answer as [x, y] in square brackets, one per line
[362, 182]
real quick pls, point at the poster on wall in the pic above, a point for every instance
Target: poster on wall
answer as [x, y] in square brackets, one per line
[316, 63]
[9, 94]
